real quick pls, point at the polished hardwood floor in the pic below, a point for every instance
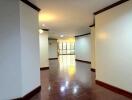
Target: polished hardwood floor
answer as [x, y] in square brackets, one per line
[68, 79]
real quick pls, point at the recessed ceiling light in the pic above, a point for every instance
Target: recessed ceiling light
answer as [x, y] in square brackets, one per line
[41, 31]
[43, 25]
[61, 35]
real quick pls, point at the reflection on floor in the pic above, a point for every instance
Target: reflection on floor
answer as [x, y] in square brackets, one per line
[70, 80]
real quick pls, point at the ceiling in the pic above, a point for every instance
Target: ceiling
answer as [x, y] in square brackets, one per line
[68, 17]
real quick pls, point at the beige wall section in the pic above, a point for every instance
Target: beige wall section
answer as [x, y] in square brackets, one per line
[92, 47]
[83, 48]
[53, 49]
[44, 53]
[114, 46]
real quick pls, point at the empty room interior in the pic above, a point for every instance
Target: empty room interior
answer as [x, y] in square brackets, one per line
[65, 49]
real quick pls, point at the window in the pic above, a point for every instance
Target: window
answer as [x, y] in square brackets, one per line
[66, 48]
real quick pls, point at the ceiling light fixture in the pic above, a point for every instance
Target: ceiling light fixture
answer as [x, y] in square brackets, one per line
[61, 35]
[43, 25]
[40, 31]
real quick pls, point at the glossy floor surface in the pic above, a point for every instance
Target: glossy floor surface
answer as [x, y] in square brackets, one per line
[71, 80]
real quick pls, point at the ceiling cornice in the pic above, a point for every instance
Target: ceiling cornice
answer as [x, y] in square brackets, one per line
[110, 6]
[31, 5]
[82, 35]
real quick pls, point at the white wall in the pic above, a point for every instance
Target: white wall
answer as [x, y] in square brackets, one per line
[19, 49]
[10, 77]
[93, 47]
[53, 49]
[29, 48]
[83, 48]
[44, 53]
[114, 46]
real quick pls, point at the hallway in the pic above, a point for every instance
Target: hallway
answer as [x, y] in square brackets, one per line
[65, 50]
[68, 79]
